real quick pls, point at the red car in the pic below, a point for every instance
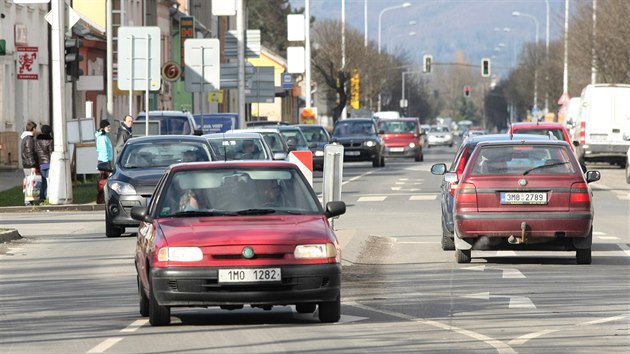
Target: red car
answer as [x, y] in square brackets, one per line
[523, 195]
[234, 233]
[542, 128]
[402, 137]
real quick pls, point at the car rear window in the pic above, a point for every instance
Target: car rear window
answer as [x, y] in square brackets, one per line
[398, 127]
[162, 154]
[556, 133]
[522, 159]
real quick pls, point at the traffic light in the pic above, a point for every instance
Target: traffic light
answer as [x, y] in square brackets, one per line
[72, 59]
[466, 91]
[426, 60]
[485, 67]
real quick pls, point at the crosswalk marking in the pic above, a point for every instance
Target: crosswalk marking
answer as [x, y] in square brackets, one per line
[381, 198]
[372, 199]
[423, 197]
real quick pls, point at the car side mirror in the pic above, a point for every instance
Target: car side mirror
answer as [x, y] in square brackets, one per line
[335, 208]
[279, 156]
[592, 176]
[198, 132]
[140, 213]
[438, 169]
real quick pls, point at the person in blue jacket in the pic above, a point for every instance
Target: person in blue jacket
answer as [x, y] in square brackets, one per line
[105, 156]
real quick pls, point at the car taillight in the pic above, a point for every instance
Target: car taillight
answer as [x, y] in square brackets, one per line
[580, 197]
[582, 133]
[466, 194]
[452, 187]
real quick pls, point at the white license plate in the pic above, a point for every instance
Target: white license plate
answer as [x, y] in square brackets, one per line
[249, 275]
[523, 198]
[352, 153]
[397, 149]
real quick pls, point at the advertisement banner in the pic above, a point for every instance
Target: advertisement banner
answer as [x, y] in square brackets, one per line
[28, 63]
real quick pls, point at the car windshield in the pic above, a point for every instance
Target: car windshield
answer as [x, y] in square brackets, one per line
[315, 134]
[397, 127]
[345, 128]
[159, 154]
[274, 140]
[236, 191]
[522, 159]
[294, 137]
[439, 130]
[236, 148]
[169, 125]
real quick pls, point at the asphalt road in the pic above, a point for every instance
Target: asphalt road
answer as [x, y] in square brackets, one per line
[66, 288]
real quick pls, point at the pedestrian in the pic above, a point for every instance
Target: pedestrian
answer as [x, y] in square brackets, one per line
[44, 147]
[29, 156]
[124, 133]
[105, 156]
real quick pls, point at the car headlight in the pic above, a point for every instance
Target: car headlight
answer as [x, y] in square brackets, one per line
[412, 145]
[369, 143]
[327, 250]
[122, 188]
[448, 136]
[319, 153]
[180, 254]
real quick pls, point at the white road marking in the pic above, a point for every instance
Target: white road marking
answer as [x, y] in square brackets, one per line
[597, 233]
[506, 253]
[371, 199]
[358, 177]
[524, 338]
[134, 326]
[521, 302]
[406, 189]
[476, 268]
[418, 242]
[602, 320]
[512, 274]
[501, 347]
[607, 237]
[624, 247]
[423, 197]
[104, 345]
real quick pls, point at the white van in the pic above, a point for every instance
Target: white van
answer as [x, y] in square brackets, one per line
[387, 114]
[602, 128]
[571, 115]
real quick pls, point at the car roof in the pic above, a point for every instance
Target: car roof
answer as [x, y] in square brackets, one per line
[524, 141]
[231, 164]
[228, 134]
[508, 137]
[143, 139]
[537, 125]
[253, 130]
[355, 120]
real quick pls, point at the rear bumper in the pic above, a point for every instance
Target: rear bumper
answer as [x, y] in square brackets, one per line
[603, 151]
[184, 286]
[401, 151]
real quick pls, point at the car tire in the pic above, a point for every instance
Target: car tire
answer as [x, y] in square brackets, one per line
[305, 307]
[330, 311]
[144, 300]
[462, 256]
[419, 157]
[583, 256]
[448, 244]
[158, 315]
[112, 230]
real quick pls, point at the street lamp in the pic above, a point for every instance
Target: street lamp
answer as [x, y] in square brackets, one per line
[380, 18]
[517, 14]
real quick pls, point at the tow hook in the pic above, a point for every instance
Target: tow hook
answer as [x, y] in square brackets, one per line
[517, 241]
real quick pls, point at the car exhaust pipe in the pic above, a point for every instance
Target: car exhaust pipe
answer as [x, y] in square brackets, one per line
[523, 239]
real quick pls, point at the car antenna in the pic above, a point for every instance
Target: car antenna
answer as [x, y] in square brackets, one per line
[224, 148]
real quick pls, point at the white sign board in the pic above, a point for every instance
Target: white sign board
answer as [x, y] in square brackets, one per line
[295, 60]
[295, 27]
[203, 64]
[223, 7]
[139, 58]
[80, 130]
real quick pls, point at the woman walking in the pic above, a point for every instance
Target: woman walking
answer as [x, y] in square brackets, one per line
[105, 152]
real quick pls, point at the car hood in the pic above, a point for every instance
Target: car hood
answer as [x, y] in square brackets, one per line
[246, 230]
[399, 139]
[144, 180]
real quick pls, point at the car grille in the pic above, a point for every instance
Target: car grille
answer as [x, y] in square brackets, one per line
[212, 285]
[352, 144]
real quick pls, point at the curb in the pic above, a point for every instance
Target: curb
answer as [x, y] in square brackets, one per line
[9, 235]
[49, 208]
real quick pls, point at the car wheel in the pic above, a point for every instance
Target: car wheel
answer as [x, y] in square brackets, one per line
[583, 256]
[448, 244]
[419, 157]
[158, 315]
[462, 256]
[330, 311]
[144, 300]
[382, 161]
[305, 308]
[111, 230]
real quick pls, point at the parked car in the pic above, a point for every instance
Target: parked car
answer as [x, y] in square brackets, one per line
[439, 136]
[166, 123]
[137, 170]
[523, 195]
[239, 146]
[459, 163]
[402, 137]
[360, 140]
[317, 137]
[257, 236]
[273, 138]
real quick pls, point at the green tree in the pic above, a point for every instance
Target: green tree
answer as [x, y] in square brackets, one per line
[270, 16]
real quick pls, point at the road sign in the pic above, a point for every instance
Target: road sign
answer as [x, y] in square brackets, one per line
[229, 75]
[263, 86]
[139, 58]
[71, 17]
[287, 81]
[171, 71]
[252, 44]
[202, 72]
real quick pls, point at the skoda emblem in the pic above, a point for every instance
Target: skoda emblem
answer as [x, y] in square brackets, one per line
[248, 252]
[522, 182]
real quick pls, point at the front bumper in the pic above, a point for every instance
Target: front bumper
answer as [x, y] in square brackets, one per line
[118, 208]
[360, 153]
[199, 286]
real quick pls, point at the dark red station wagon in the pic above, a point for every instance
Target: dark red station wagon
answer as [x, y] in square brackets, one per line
[523, 195]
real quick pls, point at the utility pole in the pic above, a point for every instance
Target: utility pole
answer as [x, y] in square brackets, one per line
[240, 38]
[110, 60]
[60, 182]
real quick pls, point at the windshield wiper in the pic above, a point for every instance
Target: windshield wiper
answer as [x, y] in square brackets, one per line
[256, 211]
[208, 212]
[543, 166]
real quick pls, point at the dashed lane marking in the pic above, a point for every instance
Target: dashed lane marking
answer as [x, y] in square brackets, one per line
[135, 325]
[104, 345]
[371, 199]
[423, 197]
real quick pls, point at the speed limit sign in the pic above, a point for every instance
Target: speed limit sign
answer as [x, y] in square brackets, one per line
[171, 71]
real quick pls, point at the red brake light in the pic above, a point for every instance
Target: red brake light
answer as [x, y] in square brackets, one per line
[583, 132]
[466, 193]
[580, 196]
